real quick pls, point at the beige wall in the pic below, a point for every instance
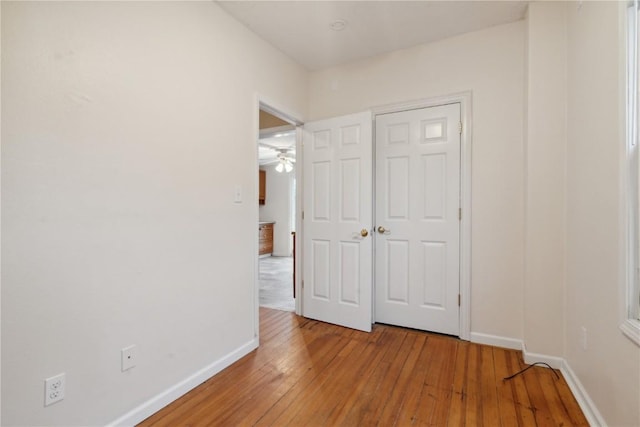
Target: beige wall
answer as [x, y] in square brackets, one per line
[610, 367]
[545, 154]
[125, 128]
[118, 221]
[490, 63]
[574, 251]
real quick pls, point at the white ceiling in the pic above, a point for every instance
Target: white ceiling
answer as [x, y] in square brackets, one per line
[276, 141]
[302, 29]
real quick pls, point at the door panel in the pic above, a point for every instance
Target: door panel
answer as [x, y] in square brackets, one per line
[321, 183]
[417, 200]
[320, 269]
[337, 178]
[349, 256]
[397, 188]
[435, 186]
[398, 271]
[434, 260]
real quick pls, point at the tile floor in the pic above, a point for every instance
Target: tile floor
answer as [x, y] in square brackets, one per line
[276, 283]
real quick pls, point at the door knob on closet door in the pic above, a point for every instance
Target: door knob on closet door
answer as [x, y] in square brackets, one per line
[364, 232]
[383, 230]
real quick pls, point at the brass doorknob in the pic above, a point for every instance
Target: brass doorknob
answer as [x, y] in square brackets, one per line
[364, 232]
[381, 230]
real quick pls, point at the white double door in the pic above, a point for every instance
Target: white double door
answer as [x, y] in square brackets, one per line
[411, 254]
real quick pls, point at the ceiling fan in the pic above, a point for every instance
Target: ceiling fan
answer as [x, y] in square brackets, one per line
[285, 163]
[283, 156]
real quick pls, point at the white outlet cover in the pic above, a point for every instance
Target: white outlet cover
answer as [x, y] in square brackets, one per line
[54, 389]
[129, 356]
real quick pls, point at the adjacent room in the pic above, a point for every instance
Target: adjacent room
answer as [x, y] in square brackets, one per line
[277, 212]
[445, 193]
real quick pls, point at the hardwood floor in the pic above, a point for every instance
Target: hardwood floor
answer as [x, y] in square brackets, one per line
[309, 373]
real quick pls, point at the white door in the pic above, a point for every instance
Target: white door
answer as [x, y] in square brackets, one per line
[417, 262]
[337, 221]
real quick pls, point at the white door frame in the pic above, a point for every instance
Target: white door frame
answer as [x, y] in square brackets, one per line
[464, 98]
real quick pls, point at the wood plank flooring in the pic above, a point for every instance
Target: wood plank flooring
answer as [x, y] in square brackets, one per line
[309, 373]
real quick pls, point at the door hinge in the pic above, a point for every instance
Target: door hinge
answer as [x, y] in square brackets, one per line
[459, 214]
[303, 215]
[460, 127]
[303, 285]
[458, 300]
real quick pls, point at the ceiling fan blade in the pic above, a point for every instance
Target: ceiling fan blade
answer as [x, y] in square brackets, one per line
[269, 146]
[277, 131]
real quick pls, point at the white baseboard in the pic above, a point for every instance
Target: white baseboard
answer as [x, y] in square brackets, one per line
[531, 358]
[161, 400]
[497, 341]
[579, 392]
[586, 404]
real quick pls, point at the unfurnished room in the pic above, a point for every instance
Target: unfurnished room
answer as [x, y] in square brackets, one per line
[320, 213]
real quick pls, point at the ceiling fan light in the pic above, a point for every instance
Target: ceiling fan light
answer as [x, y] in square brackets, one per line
[287, 166]
[279, 167]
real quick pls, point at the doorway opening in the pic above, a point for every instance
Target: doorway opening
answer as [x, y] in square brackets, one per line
[276, 211]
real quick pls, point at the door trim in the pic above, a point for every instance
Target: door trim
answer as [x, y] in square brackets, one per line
[465, 100]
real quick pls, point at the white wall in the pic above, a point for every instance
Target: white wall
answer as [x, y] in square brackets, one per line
[278, 208]
[610, 367]
[118, 224]
[545, 178]
[491, 64]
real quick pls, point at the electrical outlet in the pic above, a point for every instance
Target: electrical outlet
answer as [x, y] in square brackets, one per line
[584, 339]
[54, 389]
[129, 356]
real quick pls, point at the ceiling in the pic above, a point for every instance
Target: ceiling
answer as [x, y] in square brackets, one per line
[302, 29]
[275, 141]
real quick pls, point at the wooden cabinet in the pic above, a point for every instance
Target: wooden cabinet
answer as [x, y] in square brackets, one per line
[262, 188]
[265, 245]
